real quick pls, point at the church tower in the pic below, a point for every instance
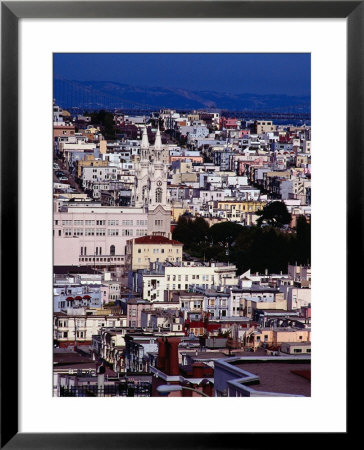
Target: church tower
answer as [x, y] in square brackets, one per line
[142, 185]
[158, 175]
[150, 190]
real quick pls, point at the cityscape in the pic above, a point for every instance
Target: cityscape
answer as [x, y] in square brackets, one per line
[181, 225]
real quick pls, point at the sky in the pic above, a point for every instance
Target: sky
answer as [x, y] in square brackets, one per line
[253, 73]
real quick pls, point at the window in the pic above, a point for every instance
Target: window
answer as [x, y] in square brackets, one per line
[100, 231]
[67, 231]
[158, 195]
[112, 250]
[297, 350]
[89, 232]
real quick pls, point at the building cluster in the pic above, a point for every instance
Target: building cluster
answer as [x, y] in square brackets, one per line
[136, 316]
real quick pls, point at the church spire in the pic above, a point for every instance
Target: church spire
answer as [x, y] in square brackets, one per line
[145, 142]
[144, 145]
[158, 140]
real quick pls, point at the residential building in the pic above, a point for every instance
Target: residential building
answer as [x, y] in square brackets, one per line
[142, 251]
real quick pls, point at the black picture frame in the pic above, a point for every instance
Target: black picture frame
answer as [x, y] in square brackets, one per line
[11, 12]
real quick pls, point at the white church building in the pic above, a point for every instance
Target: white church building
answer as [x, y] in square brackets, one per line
[87, 234]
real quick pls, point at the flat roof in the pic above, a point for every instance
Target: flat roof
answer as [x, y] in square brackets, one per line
[71, 358]
[280, 377]
[66, 270]
[205, 355]
[298, 344]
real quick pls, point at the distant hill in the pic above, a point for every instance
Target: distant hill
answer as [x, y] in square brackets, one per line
[107, 94]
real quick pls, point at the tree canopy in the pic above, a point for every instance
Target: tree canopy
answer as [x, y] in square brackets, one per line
[225, 232]
[106, 120]
[254, 248]
[274, 214]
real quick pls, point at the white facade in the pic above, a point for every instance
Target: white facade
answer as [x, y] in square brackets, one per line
[89, 235]
[151, 285]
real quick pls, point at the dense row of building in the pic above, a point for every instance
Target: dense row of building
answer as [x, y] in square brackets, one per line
[136, 316]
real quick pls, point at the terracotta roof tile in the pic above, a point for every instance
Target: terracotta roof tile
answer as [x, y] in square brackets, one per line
[155, 240]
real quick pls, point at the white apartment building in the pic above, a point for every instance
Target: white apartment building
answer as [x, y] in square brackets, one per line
[88, 235]
[75, 327]
[151, 285]
[94, 174]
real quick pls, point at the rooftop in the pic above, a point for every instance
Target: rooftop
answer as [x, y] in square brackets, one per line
[155, 240]
[281, 376]
[74, 269]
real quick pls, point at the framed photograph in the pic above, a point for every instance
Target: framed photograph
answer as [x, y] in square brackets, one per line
[39, 40]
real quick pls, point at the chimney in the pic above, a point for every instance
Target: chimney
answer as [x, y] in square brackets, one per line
[171, 364]
[207, 387]
[197, 370]
[162, 353]
[186, 392]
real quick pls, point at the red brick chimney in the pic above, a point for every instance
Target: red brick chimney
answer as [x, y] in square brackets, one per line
[198, 370]
[207, 387]
[171, 363]
[186, 392]
[162, 353]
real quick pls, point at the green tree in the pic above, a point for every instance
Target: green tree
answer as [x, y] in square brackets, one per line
[303, 241]
[200, 230]
[105, 120]
[225, 232]
[182, 231]
[263, 248]
[274, 214]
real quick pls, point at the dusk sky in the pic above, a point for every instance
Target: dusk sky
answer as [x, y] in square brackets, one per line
[253, 73]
